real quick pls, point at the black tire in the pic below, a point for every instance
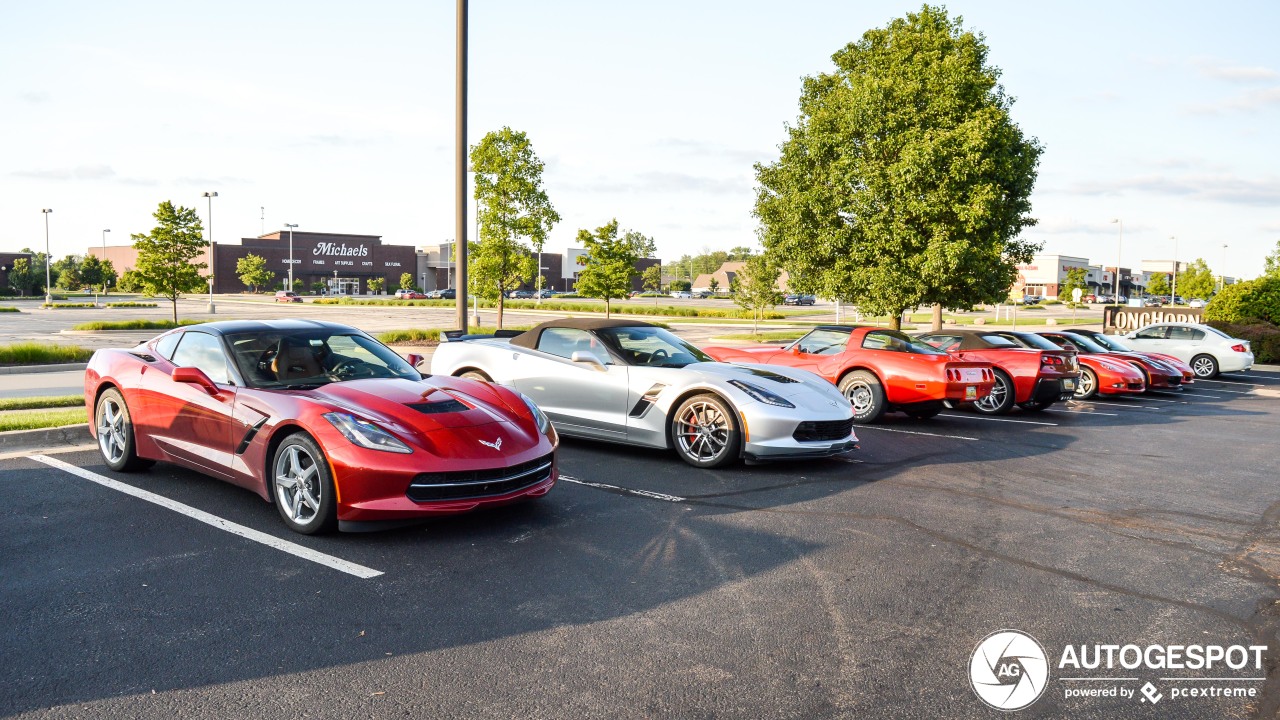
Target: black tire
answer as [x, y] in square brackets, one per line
[1205, 367]
[1036, 405]
[114, 426]
[309, 505]
[865, 393]
[704, 430]
[1002, 398]
[923, 413]
[475, 375]
[1087, 385]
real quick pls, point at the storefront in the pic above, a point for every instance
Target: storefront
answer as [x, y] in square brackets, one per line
[331, 263]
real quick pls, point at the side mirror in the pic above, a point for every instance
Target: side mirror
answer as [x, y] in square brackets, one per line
[414, 359]
[587, 358]
[195, 376]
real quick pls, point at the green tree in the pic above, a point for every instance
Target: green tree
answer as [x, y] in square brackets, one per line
[714, 286]
[318, 287]
[741, 253]
[651, 278]
[1247, 302]
[905, 181]
[1272, 267]
[375, 285]
[252, 270]
[91, 272]
[1158, 284]
[1197, 280]
[24, 279]
[757, 289]
[680, 285]
[610, 262]
[406, 281]
[108, 276]
[130, 282]
[515, 214]
[67, 273]
[1075, 279]
[166, 265]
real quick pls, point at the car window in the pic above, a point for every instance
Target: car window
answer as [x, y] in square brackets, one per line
[945, 343]
[204, 352]
[1152, 333]
[654, 346]
[823, 342]
[564, 342]
[1031, 340]
[166, 344]
[897, 342]
[1177, 332]
[999, 341]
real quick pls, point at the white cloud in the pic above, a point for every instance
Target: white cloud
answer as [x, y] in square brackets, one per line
[82, 172]
[1227, 189]
[1235, 73]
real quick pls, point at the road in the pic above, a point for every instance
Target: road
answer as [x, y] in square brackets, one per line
[852, 587]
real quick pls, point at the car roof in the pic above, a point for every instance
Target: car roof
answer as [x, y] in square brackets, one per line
[227, 327]
[529, 338]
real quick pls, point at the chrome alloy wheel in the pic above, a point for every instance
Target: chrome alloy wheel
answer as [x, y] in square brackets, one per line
[1204, 366]
[702, 431]
[994, 401]
[298, 484]
[860, 397]
[1085, 385]
[111, 430]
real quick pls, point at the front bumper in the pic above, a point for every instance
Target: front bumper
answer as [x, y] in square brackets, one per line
[771, 432]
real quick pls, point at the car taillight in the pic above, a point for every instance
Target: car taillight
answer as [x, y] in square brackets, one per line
[1050, 360]
[1239, 348]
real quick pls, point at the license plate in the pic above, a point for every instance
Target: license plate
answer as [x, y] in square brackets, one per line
[1068, 384]
[970, 375]
[970, 392]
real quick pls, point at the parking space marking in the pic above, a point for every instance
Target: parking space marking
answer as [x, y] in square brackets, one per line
[914, 432]
[991, 419]
[628, 491]
[1233, 392]
[1082, 412]
[305, 553]
[1229, 382]
[1156, 399]
[1116, 405]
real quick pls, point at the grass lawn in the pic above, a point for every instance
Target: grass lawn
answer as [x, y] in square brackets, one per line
[32, 419]
[132, 324]
[47, 401]
[772, 336]
[33, 353]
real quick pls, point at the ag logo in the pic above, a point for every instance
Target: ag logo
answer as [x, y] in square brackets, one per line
[1008, 670]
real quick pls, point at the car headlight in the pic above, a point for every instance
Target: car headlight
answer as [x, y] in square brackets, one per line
[759, 394]
[1112, 367]
[544, 422]
[365, 434]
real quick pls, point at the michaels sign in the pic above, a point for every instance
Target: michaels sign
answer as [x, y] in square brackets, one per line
[329, 249]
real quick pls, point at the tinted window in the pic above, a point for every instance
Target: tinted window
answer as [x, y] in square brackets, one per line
[203, 352]
[823, 342]
[166, 344]
[894, 341]
[1030, 340]
[1079, 342]
[564, 342]
[651, 346]
[946, 343]
[1177, 332]
[999, 341]
[276, 358]
[1152, 333]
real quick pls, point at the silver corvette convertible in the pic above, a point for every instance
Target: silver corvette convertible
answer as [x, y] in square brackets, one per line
[631, 382]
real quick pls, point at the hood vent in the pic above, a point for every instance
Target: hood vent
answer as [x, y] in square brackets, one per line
[440, 406]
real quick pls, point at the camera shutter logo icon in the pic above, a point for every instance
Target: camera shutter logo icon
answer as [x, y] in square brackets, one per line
[1009, 670]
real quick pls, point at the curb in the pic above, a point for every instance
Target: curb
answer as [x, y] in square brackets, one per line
[32, 369]
[19, 440]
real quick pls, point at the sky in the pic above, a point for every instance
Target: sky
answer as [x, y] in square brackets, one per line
[339, 116]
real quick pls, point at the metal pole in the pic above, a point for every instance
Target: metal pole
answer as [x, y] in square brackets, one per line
[262, 220]
[48, 275]
[209, 238]
[104, 259]
[460, 166]
[1173, 296]
[291, 227]
[1119, 245]
[1224, 268]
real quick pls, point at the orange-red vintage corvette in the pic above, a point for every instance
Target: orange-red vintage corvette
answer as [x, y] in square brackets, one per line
[320, 419]
[878, 370]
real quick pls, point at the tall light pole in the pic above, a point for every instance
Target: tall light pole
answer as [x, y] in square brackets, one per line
[1224, 268]
[460, 164]
[1119, 245]
[1173, 294]
[291, 226]
[208, 237]
[104, 259]
[48, 275]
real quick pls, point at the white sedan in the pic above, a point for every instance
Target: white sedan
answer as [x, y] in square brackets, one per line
[1207, 350]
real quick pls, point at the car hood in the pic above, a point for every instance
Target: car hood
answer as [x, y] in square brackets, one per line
[780, 380]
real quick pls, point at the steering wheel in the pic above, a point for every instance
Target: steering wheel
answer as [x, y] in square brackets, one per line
[266, 358]
[344, 368]
[659, 354]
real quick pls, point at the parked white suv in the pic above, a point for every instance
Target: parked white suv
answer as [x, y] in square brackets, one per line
[1207, 350]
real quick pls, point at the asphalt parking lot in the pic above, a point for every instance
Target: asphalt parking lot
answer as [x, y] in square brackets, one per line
[640, 587]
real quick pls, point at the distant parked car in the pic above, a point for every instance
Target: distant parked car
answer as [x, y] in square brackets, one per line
[1032, 299]
[1196, 303]
[682, 295]
[287, 296]
[520, 295]
[545, 294]
[1152, 302]
[1089, 298]
[799, 300]
[409, 294]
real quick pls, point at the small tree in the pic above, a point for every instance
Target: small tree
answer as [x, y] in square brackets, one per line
[1272, 267]
[680, 285]
[23, 278]
[406, 281]
[1158, 285]
[375, 285]
[1197, 281]
[67, 273]
[253, 271]
[166, 264]
[108, 275]
[1075, 279]
[758, 287]
[714, 286]
[130, 282]
[91, 271]
[610, 262]
[651, 278]
[318, 287]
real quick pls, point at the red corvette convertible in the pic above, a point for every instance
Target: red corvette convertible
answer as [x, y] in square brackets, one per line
[1031, 378]
[1099, 374]
[322, 420]
[1156, 375]
[877, 369]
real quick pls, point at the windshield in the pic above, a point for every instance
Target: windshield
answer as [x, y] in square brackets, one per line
[1082, 343]
[652, 346]
[310, 358]
[1030, 340]
[1110, 343]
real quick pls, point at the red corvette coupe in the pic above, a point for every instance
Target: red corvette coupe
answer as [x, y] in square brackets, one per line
[877, 369]
[1031, 378]
[1116, 346]
[322, 420]
[1156, 375]
[1099, 374]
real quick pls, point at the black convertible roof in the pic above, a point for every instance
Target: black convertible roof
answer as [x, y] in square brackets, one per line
[529, 338]
[223, 327]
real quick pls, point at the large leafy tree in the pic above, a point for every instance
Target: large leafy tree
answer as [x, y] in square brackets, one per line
[67, 273]
[1272, 267]
[1158, 284]
[651, 278]
[166, 265]
[905, 180]
[1197, 281]
[252, 270]
[610, 262]
[514, 212]
[757, 287]
[24, 278]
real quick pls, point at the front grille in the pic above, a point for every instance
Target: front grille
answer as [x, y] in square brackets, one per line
[468, 484]
[823, 431]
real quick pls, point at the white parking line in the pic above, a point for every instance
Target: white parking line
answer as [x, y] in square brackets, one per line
[1233, 392]
[1156, 399]
[913, 432]
[1212, 397]
[1082, 412]
[991, 419]
[629, 491]
[1116, 405]
[1228, 382]
[330, 561]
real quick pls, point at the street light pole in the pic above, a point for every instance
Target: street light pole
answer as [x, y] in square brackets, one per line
[48, 275]
[104, 259]
[208, 236]
[291, 226]
[1119, 245]
[460, 165]
[1173, 296]
[1224, 268]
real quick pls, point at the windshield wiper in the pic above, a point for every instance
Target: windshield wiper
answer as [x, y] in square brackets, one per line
[304, 386]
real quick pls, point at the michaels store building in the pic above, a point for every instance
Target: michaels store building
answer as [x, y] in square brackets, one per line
[344, 263]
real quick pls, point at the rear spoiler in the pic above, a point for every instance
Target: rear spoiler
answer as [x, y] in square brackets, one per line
[463, 336]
